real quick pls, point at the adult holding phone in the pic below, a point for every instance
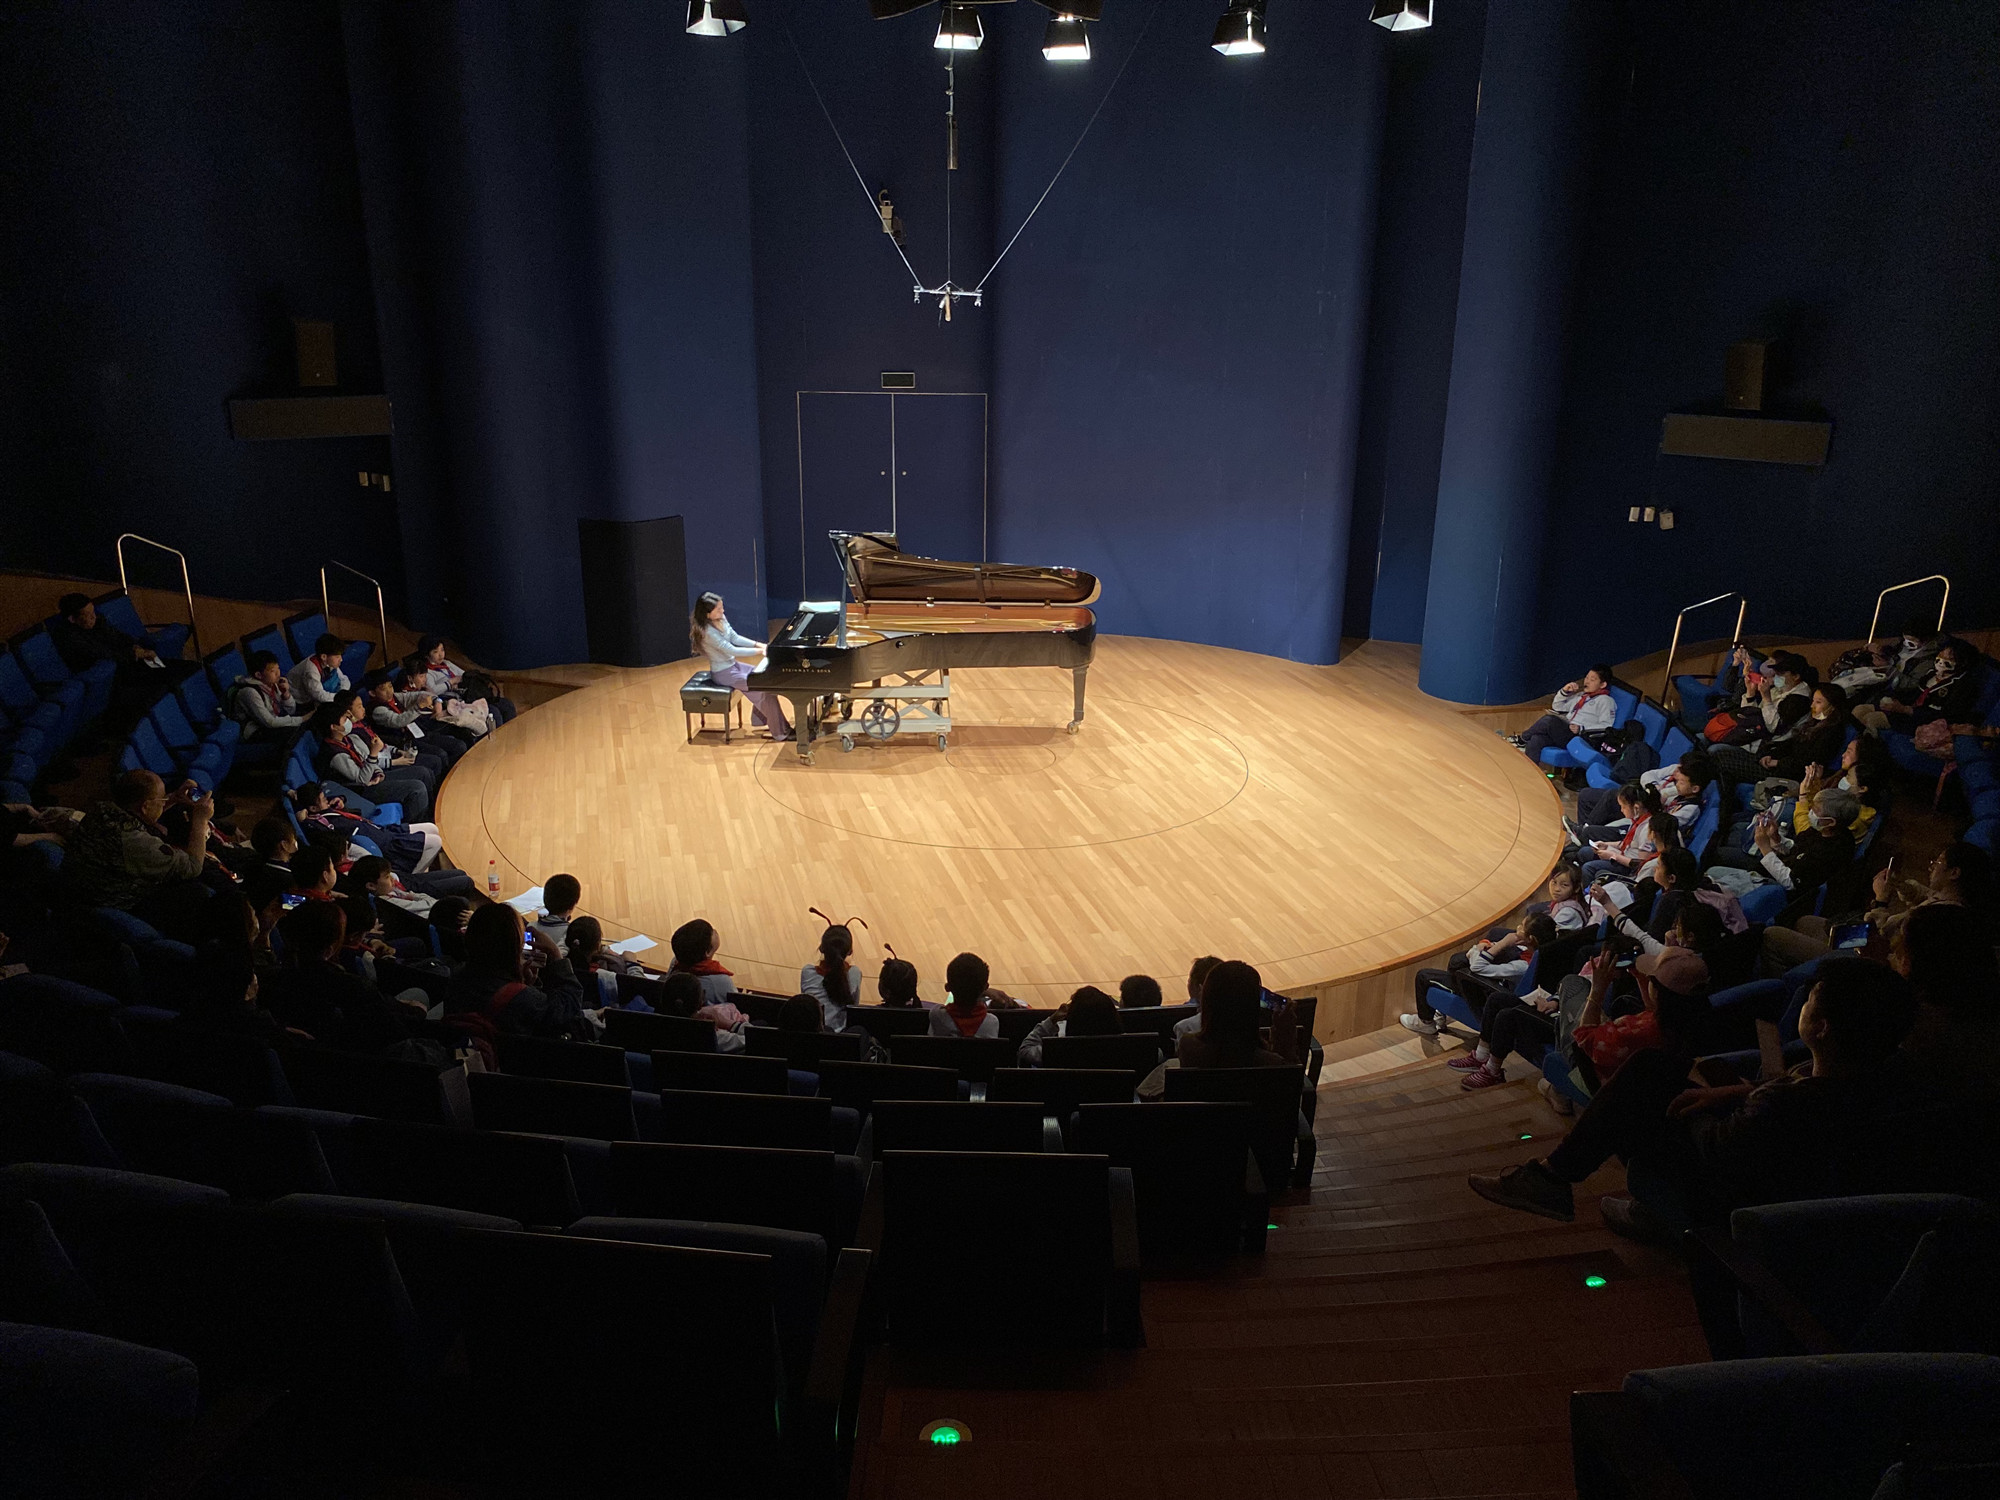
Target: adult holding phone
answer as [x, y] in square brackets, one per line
[731, 659]
[120, 855]
[1583, 708]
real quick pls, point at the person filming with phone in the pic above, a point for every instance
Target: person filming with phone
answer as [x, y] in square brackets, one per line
[120, 855]
[515, 980]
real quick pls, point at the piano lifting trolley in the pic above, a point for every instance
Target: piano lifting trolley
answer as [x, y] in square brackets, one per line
[879, 664]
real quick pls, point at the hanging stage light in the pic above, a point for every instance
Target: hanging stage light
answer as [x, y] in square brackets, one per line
[959, 30]
[1067, 39]
[716, 17]
[1401, 15]
[1240, 32]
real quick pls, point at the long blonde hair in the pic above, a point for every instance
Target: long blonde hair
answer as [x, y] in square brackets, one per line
[705, 606]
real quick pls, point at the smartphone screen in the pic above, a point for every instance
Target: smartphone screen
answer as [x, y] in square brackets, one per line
[528, 941]
[1851, 936]
[292, 900]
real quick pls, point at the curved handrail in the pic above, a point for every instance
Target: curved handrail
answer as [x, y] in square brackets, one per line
[1896, 588]
[187, 588]
[381, 608]
[1673, 648]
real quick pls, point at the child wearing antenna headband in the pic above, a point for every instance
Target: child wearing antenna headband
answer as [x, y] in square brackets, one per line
[833, 981]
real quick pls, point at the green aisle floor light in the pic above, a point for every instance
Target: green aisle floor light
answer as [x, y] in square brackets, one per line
[1594, 1282]
[945, 1433]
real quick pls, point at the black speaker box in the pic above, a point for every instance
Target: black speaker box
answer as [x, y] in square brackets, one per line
[1745, 374]
[635, 590]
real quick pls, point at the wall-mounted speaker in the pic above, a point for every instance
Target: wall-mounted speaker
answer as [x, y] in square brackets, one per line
[635, 590]
[1757, 440]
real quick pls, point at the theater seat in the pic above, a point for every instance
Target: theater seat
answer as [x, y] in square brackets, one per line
[85, 1415]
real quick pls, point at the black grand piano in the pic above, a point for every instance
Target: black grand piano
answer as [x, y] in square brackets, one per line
[879, 663]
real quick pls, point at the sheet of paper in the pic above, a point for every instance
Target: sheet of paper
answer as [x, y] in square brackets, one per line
[528, 903]
[638, 943]
[1619, 895]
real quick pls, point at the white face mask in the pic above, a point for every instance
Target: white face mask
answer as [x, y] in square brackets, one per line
[1844, 785]
[346, 726]
[1780, 681]
[1815, 820]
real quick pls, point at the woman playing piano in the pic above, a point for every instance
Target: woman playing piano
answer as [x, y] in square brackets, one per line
[731, 659]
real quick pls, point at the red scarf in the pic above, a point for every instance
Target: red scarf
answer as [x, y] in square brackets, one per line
[1625, 844]
[1577, 707]
[706, 966]
[968, 1022]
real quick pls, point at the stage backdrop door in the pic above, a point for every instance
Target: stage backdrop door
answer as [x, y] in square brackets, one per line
[911, 462]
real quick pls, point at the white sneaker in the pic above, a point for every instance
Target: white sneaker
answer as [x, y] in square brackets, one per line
[1418, 1024]
[1561, 1103]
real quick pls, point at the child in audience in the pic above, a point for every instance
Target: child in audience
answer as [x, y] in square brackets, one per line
[409, 729]
[1583, 709]
[833, 981]
[682, 995]
[1232, 1009]
[261, 700]
[1140, 992]
[694, 946]
[1090, 1012]
[897, 985]
[965, 1012]
[1945, 694]
[596, 965]
[1622, 853]
[354, 755]
[1721, 1148]
[1493, 966]
[801, 1013]
[275, 844]
[560, 894]
[505, 987]
[445, 680]
[318, 677]
[1198, 973]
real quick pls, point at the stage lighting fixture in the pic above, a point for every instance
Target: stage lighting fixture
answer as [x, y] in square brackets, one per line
[1240, 32]
[716, 17]
[959, 30]
[1401, 15]
[1066, 40]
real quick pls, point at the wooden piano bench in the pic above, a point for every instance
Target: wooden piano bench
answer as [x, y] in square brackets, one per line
[702, 695]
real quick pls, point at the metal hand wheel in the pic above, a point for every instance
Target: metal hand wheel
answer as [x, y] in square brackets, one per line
[880, 719]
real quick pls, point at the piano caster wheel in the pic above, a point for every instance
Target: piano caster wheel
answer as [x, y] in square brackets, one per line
[846, 745]
[940, 742]
[1074, 728]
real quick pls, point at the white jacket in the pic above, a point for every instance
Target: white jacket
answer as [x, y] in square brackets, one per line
[1588, 713]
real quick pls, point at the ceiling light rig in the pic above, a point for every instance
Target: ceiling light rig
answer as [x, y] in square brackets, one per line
[1401, 15]
[716, 17]
[1066, 39]
[1240, 32]
[959, 30]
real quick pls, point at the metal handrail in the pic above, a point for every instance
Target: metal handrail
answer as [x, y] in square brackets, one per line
[1896, 588]
[381, 608]
[187, 588]
[1673, 649]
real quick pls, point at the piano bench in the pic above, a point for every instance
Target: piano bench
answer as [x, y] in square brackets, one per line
[702, 695]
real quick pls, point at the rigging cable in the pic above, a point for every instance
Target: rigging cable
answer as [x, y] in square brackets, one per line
[1134, 52]
[814, 86]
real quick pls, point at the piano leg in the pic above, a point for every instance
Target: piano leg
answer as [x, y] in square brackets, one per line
[805, 724]
[1076, 718]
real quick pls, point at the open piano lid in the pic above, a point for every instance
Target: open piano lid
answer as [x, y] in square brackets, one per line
[877, 570]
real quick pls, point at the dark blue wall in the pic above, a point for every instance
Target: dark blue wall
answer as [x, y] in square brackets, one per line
[1825, 172]
[833, 300]
[1420, 233]
[1179, 334]
[178, 182]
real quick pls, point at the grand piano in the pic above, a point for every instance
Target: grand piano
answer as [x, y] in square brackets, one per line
[879, 663]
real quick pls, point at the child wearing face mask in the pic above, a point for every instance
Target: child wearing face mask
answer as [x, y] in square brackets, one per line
[352, 755]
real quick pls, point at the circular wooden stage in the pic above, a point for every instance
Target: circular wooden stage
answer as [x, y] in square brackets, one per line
[1324, 823]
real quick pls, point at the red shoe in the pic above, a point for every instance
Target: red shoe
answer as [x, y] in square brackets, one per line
[1485, 1078]
[1465, 1062]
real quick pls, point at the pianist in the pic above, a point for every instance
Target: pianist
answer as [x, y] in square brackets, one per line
[731, 659]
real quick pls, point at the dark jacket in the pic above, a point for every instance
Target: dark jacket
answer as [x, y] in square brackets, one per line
[554, 1008]
[336, 1007]
[81, 649]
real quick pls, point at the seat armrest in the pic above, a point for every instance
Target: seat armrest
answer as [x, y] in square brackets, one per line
[1614, 1453]
[1256, 1204]
[1308, 1152]
[1052, 1137]
[210, 1448]
[868, 1233]
[1123, 1323]
[1752, 1276]
[835, 1349]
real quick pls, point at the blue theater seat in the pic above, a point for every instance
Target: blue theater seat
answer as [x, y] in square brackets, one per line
[271, 638]
[118, 608]
[46, 667]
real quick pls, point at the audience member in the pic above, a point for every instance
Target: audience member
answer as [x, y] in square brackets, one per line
[514, 980]
[314, 994]
[1492, 966]
[353, 755]
[82, 638]
[1582, 710]
[560, 895]
[1090, 1012]
[1624, 852]
[275, 843]
[1232, 1012]
[119, 855]
[402, 729]
[965, 1012]
[1944, 694]
[1140, 992]
[833, 982]
[897, 985]
[432, 673]
[694, 945]
[682, 995]
[314, 874]
[318, 677]
[1720, 1148]
[261, 700]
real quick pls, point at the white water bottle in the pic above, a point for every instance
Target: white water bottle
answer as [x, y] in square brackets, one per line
[493, 879]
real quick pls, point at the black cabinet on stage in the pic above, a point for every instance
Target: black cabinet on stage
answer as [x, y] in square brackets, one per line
[635, 591]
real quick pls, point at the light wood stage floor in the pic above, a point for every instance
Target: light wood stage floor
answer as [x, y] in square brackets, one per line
[1328, 824]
